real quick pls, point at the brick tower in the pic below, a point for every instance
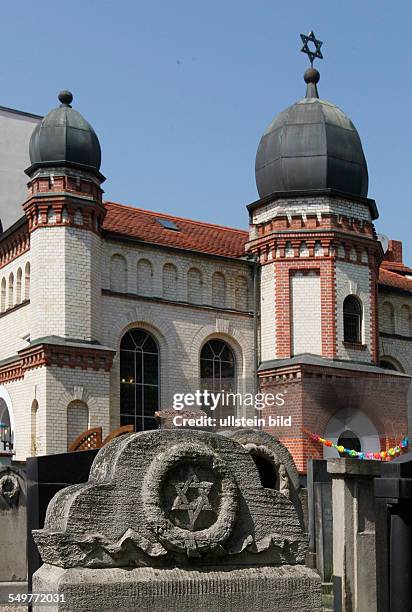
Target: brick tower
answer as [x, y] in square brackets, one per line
[312, 230]
[65, 214]
[69, 365]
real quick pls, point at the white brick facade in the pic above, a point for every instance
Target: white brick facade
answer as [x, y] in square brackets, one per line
[267, 322]
[353, 279]
[306, 329]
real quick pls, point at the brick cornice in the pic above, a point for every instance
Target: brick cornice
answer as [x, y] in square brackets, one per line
[61, 200]
[291, 372]
[14, 244]
[60, 356]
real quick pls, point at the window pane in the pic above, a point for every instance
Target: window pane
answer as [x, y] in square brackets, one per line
[139, 364]
[139, 368]
[207, 352]
[206, 369]
[126, 419]
[139, 336]
[127, 366]
[150, 345]
[139, 399]
[150, 400]
[139, 424]
[127, 342]
[127, 404]
[150, 424]
[150, 369]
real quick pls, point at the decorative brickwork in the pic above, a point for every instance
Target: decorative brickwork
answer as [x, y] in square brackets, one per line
[14, 245]
[314, 394]
[64, 198]
[56, 356]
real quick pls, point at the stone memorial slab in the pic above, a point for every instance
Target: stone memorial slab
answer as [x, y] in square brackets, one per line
[179, 520]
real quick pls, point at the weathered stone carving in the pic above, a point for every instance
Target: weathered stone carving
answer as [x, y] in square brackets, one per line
[182, 499]
[271, 450]
[10, 488]
[284, 486]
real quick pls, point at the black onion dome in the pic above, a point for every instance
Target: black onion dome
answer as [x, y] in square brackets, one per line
[311, 145]
[65, 137]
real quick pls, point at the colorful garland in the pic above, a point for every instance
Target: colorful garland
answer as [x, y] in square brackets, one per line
[389, 454]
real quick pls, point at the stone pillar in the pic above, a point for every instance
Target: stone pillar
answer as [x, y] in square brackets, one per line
[13, 559]
[354, 564]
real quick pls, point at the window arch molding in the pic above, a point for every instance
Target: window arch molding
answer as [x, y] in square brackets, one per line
[352, 319]
[387, 317]
[214, 339]
[392, 363]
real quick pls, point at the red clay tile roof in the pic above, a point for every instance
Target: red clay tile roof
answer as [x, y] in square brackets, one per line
[396, 266]
[392, 279]
[209, 238]
[193, 235]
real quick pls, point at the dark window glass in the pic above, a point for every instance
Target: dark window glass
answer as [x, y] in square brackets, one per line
[139, 380]
[349, 440]
[388, 365]
[352, 319]
[217, 373]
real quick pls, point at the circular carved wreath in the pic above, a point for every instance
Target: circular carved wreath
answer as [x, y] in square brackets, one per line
[9, 488]
[174, 537]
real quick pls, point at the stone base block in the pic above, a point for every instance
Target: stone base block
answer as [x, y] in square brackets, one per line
[293, 588]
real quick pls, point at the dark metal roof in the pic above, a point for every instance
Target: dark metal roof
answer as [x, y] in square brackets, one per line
[311, 145]
[316, 360]
[65, 137]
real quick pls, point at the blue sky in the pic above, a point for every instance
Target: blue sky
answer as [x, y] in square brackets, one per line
[180, 92]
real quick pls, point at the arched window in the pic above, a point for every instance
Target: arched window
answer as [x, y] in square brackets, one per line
[349, 440]
[388, 318]
[77, 420]
[217, 373]
[6, 434]
[139, 379]
[352, 319]
[405, 320]
[18, 286]
[11, 291]
[389, 363]
[144, 277]
[27, 281]
[169, 282]
[194, 286]
[118, 274]
[218, 290]
[3, 294]
[241, 293]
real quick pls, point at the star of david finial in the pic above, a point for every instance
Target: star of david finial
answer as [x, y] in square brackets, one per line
[198, 504]
[310, 52]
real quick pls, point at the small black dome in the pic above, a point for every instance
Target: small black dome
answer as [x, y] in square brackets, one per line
[311, 145]
[65, 137]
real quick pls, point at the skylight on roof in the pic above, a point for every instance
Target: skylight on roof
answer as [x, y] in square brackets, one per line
[168, 224]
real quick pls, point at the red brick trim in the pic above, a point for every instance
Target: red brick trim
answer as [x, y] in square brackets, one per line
[326, 269]
[14, 245]
[64, 196]
[52, 355]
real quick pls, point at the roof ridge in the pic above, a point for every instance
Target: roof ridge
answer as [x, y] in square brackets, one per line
[167, 216]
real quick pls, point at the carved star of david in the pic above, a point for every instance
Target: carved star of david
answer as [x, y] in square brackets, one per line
[311, 38]
[199, 504]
